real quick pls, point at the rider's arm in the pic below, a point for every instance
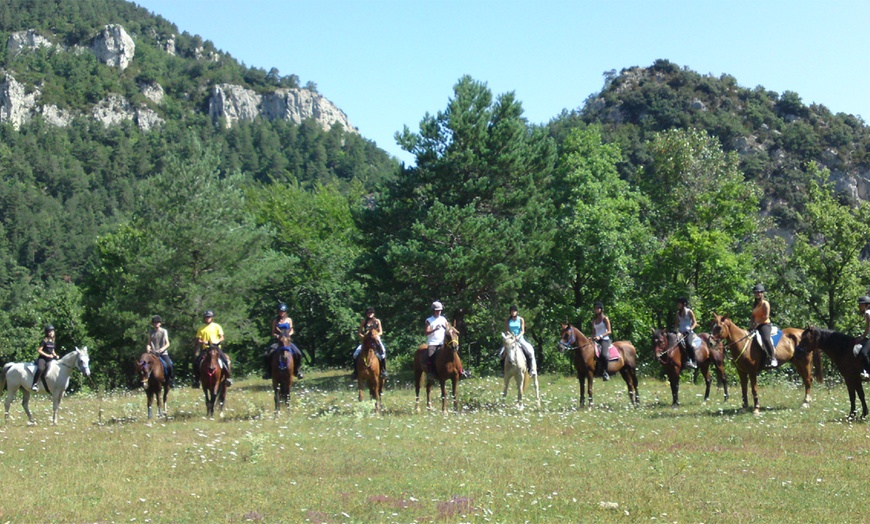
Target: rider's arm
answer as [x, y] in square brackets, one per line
[522, 327]
[606, 324]
[866, 326]
[694, 321]
[166, 342]
[275, 332]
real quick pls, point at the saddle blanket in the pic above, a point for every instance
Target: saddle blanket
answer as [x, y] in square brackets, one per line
[612, 350]
[775, 336]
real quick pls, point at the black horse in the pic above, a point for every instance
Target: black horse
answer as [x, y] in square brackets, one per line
[839, 348]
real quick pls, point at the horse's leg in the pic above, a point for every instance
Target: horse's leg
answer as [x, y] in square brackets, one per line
[55, 406]
[521, 382]
[359, 384]
[455, 380]
[708, 381]
[720, 371]
[753, 379]
[150, 396]
[10, 395]
[803, 368]
[443, 396]
[507, 380]
[417, 385]
[25, 403]
[222, 396]
[860, 388]
[165, 395]
[744, 385]
[674, 379]
[851, 388]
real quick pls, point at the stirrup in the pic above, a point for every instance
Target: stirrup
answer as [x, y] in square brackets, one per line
[865, 376]
[605, 376]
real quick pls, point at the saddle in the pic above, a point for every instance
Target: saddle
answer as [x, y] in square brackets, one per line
[775, 336]
[613, 352]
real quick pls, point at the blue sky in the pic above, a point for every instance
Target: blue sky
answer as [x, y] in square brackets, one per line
[387, 63]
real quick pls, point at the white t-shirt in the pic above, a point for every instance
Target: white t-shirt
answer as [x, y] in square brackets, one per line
[436, 338]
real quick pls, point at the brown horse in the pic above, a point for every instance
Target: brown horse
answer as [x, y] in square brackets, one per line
[368, 369]
[213, 380]
[748, 357]
[584, 361]
[447, 366]
[152, 374]
[839, 348]
[666, 347]
[281, 368]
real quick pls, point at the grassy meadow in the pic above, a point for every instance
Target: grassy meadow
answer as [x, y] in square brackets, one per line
[332, 459]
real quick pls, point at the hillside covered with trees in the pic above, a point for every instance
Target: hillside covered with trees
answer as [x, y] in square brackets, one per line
[667, 183]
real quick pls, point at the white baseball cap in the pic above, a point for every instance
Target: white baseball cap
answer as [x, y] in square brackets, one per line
[436, 306]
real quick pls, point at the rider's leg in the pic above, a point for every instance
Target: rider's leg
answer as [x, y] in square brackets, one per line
[297, 361]
[196, 363]
[605, 358]
[382, 358]
[864, 359]
[356, 353]
[689, 340]
[767, 344]
[530, 355]
[40, 369]
[226, 360]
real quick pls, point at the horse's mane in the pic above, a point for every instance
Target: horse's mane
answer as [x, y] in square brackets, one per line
[834, 340]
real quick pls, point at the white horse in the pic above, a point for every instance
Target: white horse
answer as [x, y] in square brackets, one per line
[516, 367]
[19, 375]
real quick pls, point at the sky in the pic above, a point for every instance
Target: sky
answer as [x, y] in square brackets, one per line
[386, 63]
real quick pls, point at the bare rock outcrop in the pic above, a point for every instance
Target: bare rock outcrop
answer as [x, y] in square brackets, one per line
[24, 41]
[15, 103]
[114, 47]
[152, 91]
[115, 109]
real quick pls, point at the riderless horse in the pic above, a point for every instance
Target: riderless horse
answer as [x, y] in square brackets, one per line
[447, 366]
[666, 347]
[841, 349]
[281, 369]
[584, 361]
[152, 375]
[54, 381]
[368, 369]
[516, 367]
[213, 380]
[748, 357]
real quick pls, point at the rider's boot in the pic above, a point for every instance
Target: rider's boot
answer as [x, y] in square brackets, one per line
[691, 361]
[267, 374]
[383, 362]
[196, 364]
[297, 366]
[603, 363]
[35, 386]
[355, 374]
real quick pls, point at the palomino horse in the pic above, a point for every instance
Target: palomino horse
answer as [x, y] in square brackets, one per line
[152, 374]
[666, 347]
[839, 348]
[516, 367]
[213, 380]
[584, 361]
[15, 376]
[447, 366]
[281, 369]
[748, 356]
[368, 369]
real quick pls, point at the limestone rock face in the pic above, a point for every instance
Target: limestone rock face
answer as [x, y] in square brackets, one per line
[56, 116]
[25, 40]
[115, 109]
[114, 47]
[15, 103]
[152, 91]
[233, 102]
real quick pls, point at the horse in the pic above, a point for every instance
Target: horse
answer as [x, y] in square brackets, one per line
[15, 376]
[516, 367]
[213, 380]
[447, 366]
[666, 347]
[152, 374]
[584, 361]
[368, 369]
[281, 369]
[748, 357]
[839, 348]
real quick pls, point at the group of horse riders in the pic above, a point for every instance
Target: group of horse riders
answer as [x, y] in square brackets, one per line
[211, 333]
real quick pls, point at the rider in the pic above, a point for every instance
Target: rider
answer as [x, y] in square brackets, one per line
[761, 322]
[158, 344]
[601, 334]
[864, 355]
[211, 333]
[517, 326]
[371, 323]
[685, 324]
[283, 325]
[46, 355]
[436, 326]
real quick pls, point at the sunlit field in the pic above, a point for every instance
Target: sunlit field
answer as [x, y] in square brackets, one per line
[331, 459]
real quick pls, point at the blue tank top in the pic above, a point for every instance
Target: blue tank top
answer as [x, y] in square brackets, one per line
[514, 325]
[283, 326]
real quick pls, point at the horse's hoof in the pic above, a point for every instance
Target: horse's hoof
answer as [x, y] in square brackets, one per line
[805, 405]
[756, 411]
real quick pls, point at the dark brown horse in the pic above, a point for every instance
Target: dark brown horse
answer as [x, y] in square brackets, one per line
[584, 361]
[368, 369]
[447, 366]
[839, 348]
[748, 357]
[152, 374]
[281, 368]
[213, 380]
[666, 347]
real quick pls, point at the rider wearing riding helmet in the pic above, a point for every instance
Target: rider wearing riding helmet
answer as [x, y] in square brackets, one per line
[685, 324]
[46, 355]
[283, 325]
[436, 327]
[211, 333]
[601, 334]
[516, 325]
[864, 355]
[761, 322]
[368, 324]
[158, 344]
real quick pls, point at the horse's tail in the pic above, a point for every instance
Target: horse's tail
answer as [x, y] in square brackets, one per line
[3, 376]
[817, 365]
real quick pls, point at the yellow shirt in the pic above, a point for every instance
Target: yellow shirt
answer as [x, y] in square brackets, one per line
[210, 333]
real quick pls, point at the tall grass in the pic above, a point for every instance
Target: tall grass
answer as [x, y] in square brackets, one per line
[332, 459]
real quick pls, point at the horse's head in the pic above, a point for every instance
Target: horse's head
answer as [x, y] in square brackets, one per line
[810, 338]
[720, 327]
[284, 338]
[83, 361]
[567, 340]
[509, 339]
[144, 368]
[451, 337]
[660, 340]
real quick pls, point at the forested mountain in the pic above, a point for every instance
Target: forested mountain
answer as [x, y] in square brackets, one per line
[143, 171]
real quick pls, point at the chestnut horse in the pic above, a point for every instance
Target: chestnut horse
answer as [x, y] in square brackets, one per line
[152, 374]
[748, 357]
[368, 369]
[840, 349]
[213, 380]
[281, 368]
[584, 361]
[447, 366]
[666, 347]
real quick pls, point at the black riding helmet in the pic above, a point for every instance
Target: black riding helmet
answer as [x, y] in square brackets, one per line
[370, 310]
[864, 300]
[684, 301]
[156, 318]
[598, 304]
[282, 307]
[48, 328]
[208, 313]
[513, 308]
[759, 288]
